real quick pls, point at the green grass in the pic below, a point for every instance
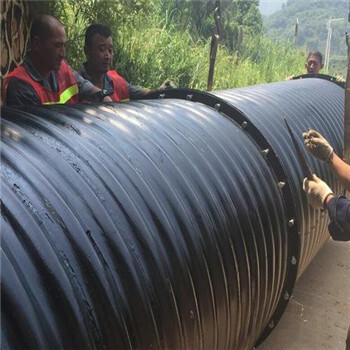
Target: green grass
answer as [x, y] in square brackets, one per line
[151, 50]
[150, 54]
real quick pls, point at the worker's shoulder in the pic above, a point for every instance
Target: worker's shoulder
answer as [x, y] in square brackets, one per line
[17, 72]
[16, 83]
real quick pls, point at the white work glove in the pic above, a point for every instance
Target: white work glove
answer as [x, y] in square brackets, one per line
[317, 191]
[317, 145]
[168, 84]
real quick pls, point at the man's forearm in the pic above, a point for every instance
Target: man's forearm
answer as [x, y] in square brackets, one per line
[98, 95]
[341, 170]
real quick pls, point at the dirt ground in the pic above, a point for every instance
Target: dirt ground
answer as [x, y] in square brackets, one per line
[318, 315]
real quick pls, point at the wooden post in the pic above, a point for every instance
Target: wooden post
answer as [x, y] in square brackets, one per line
[296, 29]
[214, 45]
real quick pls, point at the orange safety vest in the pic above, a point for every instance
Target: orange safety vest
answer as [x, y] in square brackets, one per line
[120, 86]
[68, 86]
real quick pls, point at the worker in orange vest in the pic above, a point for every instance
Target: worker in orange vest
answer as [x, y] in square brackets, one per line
[45, 77]
[98, 50]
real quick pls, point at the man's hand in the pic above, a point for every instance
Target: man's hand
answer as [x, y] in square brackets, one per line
[107, 99]
[100, 95]
[317, 192]
[340, 79]
[317, 145]
[168, 84]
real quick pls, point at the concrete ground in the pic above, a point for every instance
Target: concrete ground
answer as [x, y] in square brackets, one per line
[318, 315]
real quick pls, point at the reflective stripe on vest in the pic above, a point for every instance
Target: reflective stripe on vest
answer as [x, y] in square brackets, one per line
[66, 95]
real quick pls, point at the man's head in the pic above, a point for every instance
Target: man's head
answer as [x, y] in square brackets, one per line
[48, 42]
[314, 62]
[98, 48]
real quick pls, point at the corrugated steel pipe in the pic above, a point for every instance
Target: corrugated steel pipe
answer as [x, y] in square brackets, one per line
[177, 222]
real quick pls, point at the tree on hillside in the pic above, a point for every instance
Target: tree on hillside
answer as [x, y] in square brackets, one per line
[313, 16]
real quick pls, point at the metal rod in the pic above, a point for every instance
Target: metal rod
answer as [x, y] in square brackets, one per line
[303, 162]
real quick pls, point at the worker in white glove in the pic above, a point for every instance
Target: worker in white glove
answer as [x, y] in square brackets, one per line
[320, 195]
[319, 147]
[318, 192]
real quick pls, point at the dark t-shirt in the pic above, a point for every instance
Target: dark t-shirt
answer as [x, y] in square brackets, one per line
[339, 213]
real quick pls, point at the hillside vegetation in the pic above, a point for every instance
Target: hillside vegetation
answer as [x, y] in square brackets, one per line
[157, 40]
[312, 34]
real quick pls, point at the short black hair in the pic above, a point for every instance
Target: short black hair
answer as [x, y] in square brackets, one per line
[315, 53]
[94, 29]
[41, 26]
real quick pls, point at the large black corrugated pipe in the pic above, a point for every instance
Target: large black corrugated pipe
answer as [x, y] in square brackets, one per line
[169, 223]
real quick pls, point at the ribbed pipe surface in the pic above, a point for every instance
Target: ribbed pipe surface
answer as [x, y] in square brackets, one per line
[306, 104]
[160, 223]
